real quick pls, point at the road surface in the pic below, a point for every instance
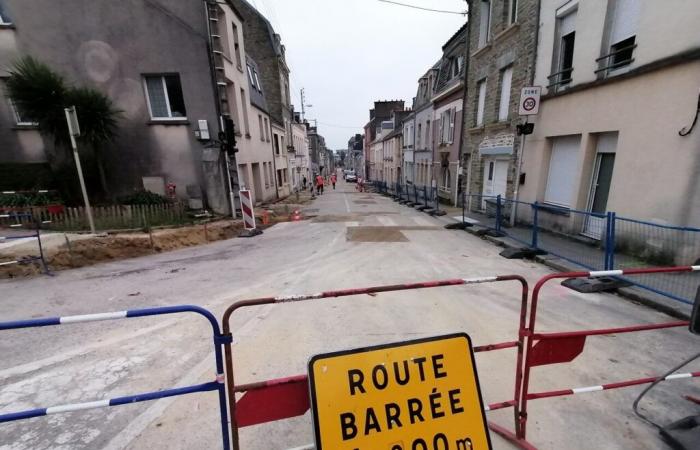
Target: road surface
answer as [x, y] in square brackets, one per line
[355, 239]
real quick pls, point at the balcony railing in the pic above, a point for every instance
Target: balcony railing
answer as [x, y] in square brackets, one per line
[616, 64]
[560, 78]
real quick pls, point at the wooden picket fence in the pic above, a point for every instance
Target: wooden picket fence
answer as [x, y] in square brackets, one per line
[112, 217]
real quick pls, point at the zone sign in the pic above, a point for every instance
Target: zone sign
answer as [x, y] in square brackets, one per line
[529, 101]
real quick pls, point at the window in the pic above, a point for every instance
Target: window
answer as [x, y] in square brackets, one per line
[266, 175]
[506, 78]
[244, 108]
[260, 123]
[418, 137]
[233, 105]
[446, 178]
[492, 164]
[447, 126]
[428, 143]
[453, 117]
[267, 130]
[623, 30]
[484, 22]
[481, 103]
[256, 79]
[165, 99]
[4, 18]
[279, 177]
[21, 119]
[277, 144]
[564, 49]
[223, 35]
[563, 170]
[512, 11]
[236, 45]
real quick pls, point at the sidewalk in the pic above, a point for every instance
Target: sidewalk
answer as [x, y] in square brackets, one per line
[567, 254]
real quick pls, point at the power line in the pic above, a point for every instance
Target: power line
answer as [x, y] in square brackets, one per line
[461, 13]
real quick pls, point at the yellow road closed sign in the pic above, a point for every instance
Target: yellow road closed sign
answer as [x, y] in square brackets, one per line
[416, 395]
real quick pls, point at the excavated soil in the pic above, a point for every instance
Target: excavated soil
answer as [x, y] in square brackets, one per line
[123, 245]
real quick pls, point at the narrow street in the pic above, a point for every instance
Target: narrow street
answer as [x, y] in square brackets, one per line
[354, 240]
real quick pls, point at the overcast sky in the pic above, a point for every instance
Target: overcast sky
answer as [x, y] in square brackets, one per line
[348, 53]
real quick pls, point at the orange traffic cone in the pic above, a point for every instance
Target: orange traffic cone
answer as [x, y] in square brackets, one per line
[296, 216]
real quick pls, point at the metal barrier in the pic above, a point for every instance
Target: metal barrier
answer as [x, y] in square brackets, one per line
[18, 220]
[594, 241]
[216, 385]
[563, 347]
[283, 398]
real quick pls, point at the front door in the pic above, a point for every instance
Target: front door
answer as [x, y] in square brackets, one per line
[495, 178]
[598, 198]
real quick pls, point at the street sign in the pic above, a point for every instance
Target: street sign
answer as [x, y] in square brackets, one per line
[422, 394]
[529, 101]
[72, 119]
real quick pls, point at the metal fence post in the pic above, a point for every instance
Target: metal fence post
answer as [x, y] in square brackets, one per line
[611, 241]
[498, 212]
[534, 224]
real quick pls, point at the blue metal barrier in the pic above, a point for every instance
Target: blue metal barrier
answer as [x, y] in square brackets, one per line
[217, 385]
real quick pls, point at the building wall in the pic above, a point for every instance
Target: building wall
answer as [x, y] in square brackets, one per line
[663, 30]
[283, 181]
[423, 152]
[447, 152]
[508, 46]
[96, 48]
[651, 159]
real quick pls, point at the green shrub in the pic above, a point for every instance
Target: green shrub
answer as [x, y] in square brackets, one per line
[144, 197]
[23, 200]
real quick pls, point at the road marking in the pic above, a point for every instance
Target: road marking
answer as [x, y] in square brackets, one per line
[347, 205]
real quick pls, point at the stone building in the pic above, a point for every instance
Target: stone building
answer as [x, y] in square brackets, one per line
[448, 103]
[317, 149]
[299, 161]
[423, 119]
[381, 112]
[502, 40]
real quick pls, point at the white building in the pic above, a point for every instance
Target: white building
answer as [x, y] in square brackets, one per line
[620, 82]
[299, 162]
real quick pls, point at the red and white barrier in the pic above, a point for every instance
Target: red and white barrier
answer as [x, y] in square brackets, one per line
[248, 210]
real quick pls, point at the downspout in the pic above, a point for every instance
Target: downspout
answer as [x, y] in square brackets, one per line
[217, 104]
[467, 188]
[521, 152]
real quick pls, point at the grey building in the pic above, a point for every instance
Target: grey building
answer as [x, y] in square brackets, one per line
[501, 50]
[317, 149]
[422, 118]
[381, 112]
[167, 97]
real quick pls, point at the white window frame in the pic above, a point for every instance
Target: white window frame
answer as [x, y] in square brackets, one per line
[485, 34]
[512, 15]
[167, 98]
[453, 118]
[481, 103]
[18, 119]
[504, 98]
[257, 81]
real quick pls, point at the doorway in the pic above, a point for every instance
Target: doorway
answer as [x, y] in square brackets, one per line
[601, 180]
[258, 192]
[495, 178]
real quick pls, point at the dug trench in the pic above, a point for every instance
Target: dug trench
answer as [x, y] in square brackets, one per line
[123, 245]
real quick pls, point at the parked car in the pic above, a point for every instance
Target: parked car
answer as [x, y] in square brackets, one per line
[351, 178]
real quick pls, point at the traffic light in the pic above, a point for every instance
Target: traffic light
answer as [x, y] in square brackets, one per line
[228, 136]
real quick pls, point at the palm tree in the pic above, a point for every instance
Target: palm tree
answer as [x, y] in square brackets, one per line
[41, 94]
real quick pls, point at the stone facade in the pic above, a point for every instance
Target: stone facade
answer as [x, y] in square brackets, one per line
[510, 43]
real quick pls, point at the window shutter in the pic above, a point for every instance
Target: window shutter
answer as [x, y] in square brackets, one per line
[453, 113]
[625, 20]
[505, 94]
[563, 167]
[567, 24]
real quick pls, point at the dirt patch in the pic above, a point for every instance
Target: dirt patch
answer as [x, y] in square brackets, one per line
[124, 245]
[364, 202]
[375, 234]
[336, 218]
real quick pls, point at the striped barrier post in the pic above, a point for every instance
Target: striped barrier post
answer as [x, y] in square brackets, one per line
[283, 398]
[247, 209]
[563, 347]
[216, 385]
